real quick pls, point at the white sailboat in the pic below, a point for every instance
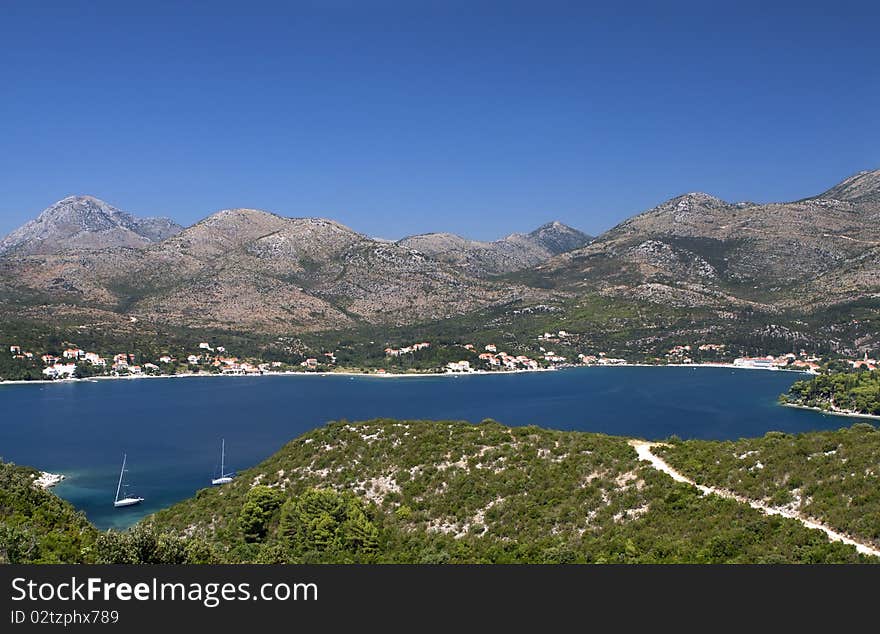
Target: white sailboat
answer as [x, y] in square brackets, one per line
[127, 500]
[225, 478]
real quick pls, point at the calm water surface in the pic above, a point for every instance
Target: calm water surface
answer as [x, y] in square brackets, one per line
[171, 428]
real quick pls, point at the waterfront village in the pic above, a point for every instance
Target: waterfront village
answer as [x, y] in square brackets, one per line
[74, 362]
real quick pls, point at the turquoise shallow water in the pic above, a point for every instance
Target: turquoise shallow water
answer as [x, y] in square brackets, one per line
[171, 429]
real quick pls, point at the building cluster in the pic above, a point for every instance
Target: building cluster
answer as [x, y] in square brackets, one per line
[495, 360]
[215, 357]
[16, 353]
[552, 357]
[712, 347]
[459, 366]
[679, 354]
[396, 352]
[554, 337]
[312, 362]
[123, 363]
[683, 354]
[65, 366]
[508, 361]
[865, 364]
[784, 361]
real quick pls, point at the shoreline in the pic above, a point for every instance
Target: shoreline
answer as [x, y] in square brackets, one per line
[833, 412]
[210, 375]
[47, 480]
[387, 375]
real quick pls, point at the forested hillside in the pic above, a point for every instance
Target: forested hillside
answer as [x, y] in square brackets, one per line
[832, 476]
[846, 391]
[426, 491]
[36, 526]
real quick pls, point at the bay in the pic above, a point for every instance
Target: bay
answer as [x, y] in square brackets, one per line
[171, 428]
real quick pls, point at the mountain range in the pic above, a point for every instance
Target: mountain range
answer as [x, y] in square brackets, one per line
[246, 268]
[699, 250]
[720, 266]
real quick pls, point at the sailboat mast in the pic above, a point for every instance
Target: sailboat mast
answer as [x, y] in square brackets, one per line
[222, 457]
[121, 472]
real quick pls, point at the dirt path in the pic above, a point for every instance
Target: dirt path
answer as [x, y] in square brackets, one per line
[643, 449]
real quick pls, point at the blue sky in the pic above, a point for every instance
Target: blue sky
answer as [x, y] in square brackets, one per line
[480, 118]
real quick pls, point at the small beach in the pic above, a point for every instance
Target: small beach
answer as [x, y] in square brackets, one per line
[47, 480]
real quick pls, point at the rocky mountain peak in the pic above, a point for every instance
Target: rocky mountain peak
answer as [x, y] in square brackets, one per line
[558, 237]
[863, 187]
[696, 199]
[239, 212]
[85, 222]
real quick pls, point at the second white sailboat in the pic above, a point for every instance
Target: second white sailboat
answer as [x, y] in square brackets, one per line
[225, 478]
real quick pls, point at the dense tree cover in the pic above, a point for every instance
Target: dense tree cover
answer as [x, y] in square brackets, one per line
[435, 492]
[833, 476]
[12, 369]
[848, 391]
[36, 526]
[144, 544]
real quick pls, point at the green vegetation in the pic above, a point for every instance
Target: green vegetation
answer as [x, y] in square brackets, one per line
[843, 391]
[833, 476]
[37, 526]
[12, 369]
[435, 492]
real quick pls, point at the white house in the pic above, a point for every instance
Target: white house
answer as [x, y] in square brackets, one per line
[60, 371]
[94, 358]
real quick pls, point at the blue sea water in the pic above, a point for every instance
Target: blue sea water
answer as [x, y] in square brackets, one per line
[171, 428]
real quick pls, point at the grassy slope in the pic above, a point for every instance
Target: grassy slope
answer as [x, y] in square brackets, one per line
[451, 491]
[833, 476]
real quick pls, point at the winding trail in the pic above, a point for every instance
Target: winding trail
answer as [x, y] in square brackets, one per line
[643, 449]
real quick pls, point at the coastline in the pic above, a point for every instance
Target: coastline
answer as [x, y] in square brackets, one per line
[210, 375]
[833, 412]
[395, 375]
[47, 480]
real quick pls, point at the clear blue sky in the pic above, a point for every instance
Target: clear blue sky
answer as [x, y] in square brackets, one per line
[480, 118]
